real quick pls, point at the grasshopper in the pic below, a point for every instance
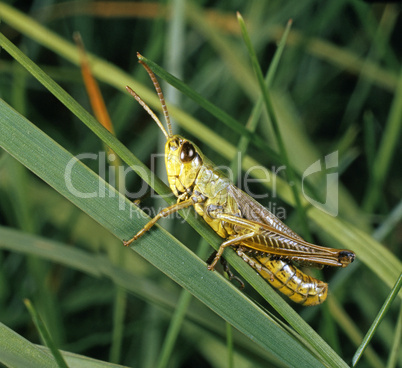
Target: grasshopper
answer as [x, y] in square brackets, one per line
[257, 235]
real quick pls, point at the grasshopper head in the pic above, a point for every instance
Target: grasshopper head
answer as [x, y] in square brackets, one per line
[183, 158]
[183, 162]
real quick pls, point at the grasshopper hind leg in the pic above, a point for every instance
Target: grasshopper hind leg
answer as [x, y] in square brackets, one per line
[226, 269]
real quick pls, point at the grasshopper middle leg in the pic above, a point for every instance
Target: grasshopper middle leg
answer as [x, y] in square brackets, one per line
[231, 241]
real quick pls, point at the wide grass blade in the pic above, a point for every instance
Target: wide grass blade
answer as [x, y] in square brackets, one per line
[18, 352]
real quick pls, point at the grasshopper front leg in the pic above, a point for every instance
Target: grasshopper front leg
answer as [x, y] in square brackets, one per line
[164, 213]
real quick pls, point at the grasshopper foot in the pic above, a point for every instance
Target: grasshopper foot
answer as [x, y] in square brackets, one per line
[126, 243]
[230, 274]
[211, 261]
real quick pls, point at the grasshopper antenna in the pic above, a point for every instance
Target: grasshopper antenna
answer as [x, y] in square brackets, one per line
[159, 92]
[149, 111]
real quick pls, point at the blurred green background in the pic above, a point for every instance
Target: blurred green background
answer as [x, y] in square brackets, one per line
[338, 87]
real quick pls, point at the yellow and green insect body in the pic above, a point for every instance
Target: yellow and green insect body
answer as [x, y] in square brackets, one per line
[191, 177]
[258, 236]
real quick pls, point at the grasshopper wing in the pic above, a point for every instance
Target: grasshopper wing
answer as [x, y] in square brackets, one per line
[273, 237]
[255, 211]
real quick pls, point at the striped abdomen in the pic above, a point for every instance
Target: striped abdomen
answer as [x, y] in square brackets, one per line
[289, 280]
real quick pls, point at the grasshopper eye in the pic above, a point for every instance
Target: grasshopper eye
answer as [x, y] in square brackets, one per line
[188, 152]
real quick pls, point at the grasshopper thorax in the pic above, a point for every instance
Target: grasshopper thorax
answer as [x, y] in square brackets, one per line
[183, 162]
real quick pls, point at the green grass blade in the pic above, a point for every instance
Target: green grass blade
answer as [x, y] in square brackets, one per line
[352, 330]
[229, 345]
[256, 113]
[377, 321]
[18, 352]
[386, 150]
[389, 223]
[78, 259]
[178, 316]
[226, 48]
[275, 125]
[81, 361]
[118, 324]
[47, 160]
[393, 356]
[44, 333]
[174, 329]
[377, 49]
